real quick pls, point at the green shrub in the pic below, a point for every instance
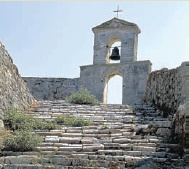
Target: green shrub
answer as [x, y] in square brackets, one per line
[79, 122]
[82, 97]
[21, 141]
[17, 120]
[72, 121]
[39, 124]
[1, 145]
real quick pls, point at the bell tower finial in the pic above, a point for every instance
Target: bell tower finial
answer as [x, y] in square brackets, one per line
[118, 10]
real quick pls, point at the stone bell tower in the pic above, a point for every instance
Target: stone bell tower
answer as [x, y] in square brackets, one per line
[134, 73]
[112, 31]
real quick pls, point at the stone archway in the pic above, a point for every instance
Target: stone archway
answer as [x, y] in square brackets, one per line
[106, 80]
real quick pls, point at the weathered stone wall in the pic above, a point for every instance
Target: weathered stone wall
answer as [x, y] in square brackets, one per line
[51, 88]
[13, 90]
[181, 126]
[167, 89]
[94, 78]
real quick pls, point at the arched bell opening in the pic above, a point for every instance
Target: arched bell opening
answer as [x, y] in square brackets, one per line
[114, 51]
[113, 89]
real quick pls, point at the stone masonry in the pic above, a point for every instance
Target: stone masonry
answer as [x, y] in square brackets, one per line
[169, 91]
[134, 75]
[95, 77]
[13, 90]
[51, 88]
[168, 88]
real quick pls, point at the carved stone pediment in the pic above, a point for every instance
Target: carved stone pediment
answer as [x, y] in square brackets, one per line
[116, 23]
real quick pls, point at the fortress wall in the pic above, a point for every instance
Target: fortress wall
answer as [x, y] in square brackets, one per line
[167, 89]
[51, 88]
[13, 90]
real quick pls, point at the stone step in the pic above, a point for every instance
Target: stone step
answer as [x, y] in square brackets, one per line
[111, 152]
[41, 133]
[143, 148]
[48, 166]
[111, 145]
[114, 136]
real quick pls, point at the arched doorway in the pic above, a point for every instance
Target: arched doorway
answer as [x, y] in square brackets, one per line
[113, 89]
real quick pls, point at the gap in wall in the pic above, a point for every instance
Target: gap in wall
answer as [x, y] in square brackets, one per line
[115, 90]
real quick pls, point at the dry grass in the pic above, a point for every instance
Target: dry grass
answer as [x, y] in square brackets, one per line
[34, 105]
[4, 132]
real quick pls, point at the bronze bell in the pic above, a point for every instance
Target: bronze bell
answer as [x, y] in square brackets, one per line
[115, 54]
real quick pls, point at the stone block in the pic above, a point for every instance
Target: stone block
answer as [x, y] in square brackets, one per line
[21, 159]
[90, 135]
[72, 134]
[111, 152]
[121, 140]
[132, 153]
[70, 140]
[103, 136]
[164, 132]
[80, 162]
[104, 131]
[143, 148]
[53, 139]
[70, 148]
[126, 147]
[81, 156]
[61, 161]
[116, 134]
[96, 118]
[90, 131]
[111, 145]
[114, 158]
[47, 148]
[60, 144]
[92, 148]
[87, 140]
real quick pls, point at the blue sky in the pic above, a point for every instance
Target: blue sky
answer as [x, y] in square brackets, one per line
[52, 39]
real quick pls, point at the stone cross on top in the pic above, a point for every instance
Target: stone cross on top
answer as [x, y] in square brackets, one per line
[118, 10]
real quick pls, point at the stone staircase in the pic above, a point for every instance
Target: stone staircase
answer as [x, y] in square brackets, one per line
[118, 138]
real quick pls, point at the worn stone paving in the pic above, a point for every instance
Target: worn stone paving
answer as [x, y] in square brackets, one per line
[119, 137]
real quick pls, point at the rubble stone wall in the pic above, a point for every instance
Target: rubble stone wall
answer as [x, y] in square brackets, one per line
[51, 88]
[13, 90]
[167, 89]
